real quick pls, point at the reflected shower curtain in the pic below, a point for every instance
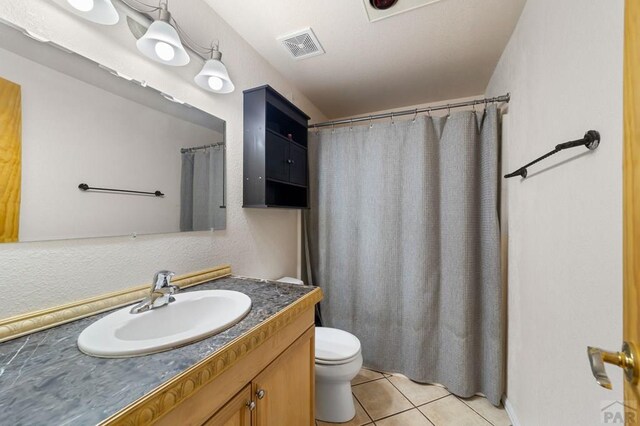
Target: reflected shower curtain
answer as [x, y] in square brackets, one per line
[201, 190]
[404, 241]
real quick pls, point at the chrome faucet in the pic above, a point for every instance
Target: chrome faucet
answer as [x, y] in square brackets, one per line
[161, 293]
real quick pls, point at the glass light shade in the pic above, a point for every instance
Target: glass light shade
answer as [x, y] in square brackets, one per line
[215, 83]
[213, 72]
[82, 5]
[152, 45]
[165, 51]
[98, 11]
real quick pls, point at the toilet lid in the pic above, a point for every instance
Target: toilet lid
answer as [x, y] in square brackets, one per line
[335, 345]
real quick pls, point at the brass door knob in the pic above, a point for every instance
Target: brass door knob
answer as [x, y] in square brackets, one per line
[626, 359]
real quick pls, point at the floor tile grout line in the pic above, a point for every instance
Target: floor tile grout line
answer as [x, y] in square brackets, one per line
[368, 381]
[401, 393]
[487, 420]
[426, 384]
[416, 406]
[437, 399]
[362, 405]
[425, 416]
[395, 414]
[390, 415]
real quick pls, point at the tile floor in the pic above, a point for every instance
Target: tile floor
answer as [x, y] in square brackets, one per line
[393, 400]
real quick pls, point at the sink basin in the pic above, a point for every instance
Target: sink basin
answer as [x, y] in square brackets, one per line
[193, 316]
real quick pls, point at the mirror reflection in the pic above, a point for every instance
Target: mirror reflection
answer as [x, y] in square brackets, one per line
[158, 165]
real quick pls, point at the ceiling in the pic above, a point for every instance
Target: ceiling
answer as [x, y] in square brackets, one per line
[444, 50]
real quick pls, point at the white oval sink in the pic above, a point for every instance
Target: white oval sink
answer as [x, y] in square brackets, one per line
[193, 316]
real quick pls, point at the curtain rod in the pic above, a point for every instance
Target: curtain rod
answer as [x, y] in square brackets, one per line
[415, 111]
[197, 148]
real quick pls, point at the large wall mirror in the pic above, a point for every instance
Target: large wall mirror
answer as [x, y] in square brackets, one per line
[66, 121]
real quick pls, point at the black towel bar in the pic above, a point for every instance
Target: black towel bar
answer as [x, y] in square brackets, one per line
[591, 140]
[85, 187]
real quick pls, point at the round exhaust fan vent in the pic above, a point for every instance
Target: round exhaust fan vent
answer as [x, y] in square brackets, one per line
[382, 4]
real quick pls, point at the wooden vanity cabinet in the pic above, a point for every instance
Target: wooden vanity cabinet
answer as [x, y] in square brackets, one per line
[273, 385]
[284, 391]
[281, 395]
[236, 412]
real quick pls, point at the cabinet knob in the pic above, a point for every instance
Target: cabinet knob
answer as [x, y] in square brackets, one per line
[251, 405]
[260, 393]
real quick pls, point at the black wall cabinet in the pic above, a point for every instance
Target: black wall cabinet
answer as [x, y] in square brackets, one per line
[275, 151]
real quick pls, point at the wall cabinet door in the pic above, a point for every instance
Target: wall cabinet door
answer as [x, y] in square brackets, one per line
[277, 158]
[298, 161]
[236, 412]
[284, 391]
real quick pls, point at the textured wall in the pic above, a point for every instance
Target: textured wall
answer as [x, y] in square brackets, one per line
[257, 243]
[564, 225]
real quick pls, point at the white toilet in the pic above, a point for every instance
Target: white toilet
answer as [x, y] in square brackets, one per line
[338, 361]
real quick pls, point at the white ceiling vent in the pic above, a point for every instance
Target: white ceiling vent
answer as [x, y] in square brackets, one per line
[302, 44]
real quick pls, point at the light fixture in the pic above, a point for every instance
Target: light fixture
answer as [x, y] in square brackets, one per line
[162, 43]
[98, 11]
[35, 36]
[172, 98]
[214, 76]
[382, 4]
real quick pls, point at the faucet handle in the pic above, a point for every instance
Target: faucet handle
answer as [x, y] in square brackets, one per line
[162, 279]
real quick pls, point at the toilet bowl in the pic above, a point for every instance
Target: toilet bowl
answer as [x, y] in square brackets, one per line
[338, 360]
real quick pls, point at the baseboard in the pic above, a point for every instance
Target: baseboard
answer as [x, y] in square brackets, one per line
[510, 412]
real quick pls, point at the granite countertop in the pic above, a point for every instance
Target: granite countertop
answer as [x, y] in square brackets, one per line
[45, 379]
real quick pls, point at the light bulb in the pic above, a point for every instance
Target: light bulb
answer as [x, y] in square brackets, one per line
[215, 83]
[82, 5]
[165, 51]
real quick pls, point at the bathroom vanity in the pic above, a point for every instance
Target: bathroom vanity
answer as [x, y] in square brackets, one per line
[258, 372]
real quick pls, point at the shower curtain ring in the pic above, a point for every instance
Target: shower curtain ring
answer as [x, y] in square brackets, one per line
[415, 115]
[351, 124]
[429, 112]
[333, 127]
[448, 110]
[392, 122]
[370, 122]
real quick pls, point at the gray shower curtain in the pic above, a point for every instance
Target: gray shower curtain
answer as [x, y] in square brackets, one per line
[201, 190]
[404, 241]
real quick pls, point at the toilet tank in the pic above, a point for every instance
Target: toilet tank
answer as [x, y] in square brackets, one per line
[290, 280]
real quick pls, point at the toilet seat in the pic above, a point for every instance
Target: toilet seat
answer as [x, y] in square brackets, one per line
[335, 347]
[338, 362]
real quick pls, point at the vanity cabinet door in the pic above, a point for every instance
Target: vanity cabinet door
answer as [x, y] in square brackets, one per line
[236, 412]
[284, 390]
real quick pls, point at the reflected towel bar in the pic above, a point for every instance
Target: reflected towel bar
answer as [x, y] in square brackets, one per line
[591, 140]
[85, 187]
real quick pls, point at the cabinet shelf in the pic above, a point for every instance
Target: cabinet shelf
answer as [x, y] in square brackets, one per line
[285, 182]
[273, 132]
[275, 165]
